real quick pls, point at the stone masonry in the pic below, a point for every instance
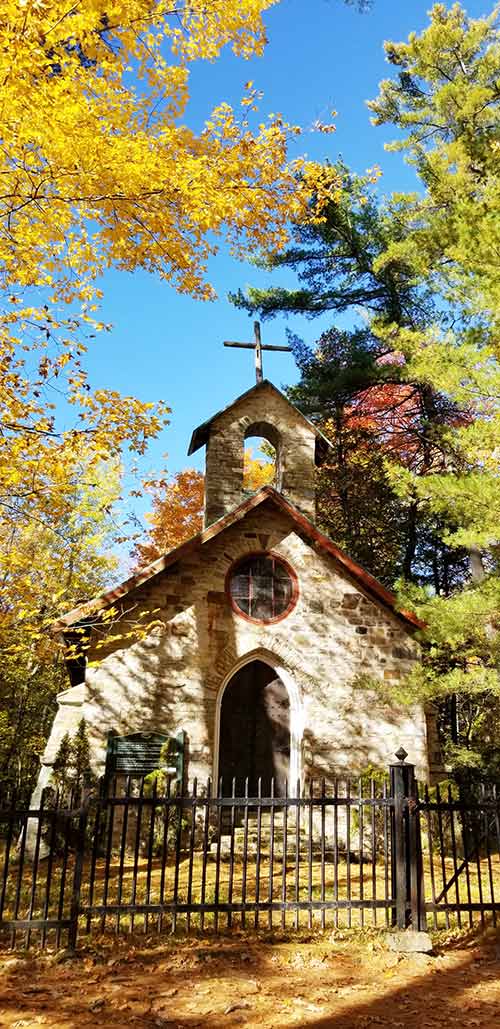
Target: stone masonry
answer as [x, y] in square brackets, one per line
[171, 679]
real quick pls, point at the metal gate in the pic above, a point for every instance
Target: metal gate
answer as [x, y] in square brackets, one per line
[340, 853]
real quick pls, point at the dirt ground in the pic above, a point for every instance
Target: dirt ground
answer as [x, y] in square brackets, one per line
[332, 981]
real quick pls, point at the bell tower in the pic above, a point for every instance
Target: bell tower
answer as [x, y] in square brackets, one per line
[261, 411]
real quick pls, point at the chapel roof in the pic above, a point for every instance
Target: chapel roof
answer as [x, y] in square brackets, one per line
[371, 586]
[200, 435]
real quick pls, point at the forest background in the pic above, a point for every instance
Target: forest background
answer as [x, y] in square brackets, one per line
[399, 361]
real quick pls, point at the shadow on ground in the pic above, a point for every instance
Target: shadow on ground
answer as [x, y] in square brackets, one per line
[322, 982]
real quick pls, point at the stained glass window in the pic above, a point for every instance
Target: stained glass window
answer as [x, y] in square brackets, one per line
[262, 587]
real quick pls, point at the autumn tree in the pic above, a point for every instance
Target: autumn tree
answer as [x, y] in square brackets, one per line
[99, 169]
[64, 559]
[176, 514]
[259, 467]
[177, 506]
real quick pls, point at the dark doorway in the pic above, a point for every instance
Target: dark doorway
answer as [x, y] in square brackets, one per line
[254, 737]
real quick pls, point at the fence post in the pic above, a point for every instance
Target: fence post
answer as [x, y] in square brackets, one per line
[399, 870]
[417, 896]
[407, 868]
[78, 871]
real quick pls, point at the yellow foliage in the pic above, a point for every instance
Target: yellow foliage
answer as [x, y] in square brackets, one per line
[177, 514]
[99, 169]
[257, 473]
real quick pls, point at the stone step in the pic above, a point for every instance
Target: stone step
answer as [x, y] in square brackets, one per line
[238, 849]
[265, 822]
[265, 830]
[265, 816]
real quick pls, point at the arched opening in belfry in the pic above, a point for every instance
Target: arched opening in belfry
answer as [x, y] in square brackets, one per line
[254, 737]
[261, 463]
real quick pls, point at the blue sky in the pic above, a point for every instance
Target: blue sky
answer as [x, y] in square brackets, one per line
[321, 56]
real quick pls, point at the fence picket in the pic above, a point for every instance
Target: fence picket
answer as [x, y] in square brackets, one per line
[11, 817]
[387, 851]
[284, 854]
[430, 840]
[297, 857]
[258, 854]
[348, 850]
[322, 867]
[454, 855]
[191, 853]
[361, 853]
[178, 841]
[465, 845]
[204, 857]
[123, 847]
[488, 856]
[109, 845]
[50, 864]
[217, 860]
[245, 860]
[164, 847]
[374, 850]
[20, 870]
[336, 853]
[271, 858]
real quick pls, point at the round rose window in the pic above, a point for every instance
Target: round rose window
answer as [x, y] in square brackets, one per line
[262, 587]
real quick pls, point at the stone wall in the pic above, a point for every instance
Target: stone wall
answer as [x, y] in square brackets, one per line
[172, 679]
[264, 413]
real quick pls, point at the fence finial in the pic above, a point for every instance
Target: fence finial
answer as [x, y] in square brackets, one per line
[401, 755]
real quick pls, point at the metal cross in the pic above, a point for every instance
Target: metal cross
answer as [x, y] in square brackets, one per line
[258, 346]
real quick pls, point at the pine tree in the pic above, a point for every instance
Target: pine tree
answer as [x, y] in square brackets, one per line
[62, 773]
[357, 387]
[71, 769]
[80, 756]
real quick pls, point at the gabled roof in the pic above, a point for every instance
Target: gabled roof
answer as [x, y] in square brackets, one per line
[363, 578]
[201, 434]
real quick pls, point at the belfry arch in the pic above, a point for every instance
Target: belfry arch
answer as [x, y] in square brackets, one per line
[268, 432]
[258, 724]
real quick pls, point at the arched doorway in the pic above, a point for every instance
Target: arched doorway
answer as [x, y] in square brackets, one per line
[254, 739]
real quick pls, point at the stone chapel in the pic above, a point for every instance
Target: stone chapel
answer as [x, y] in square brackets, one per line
[261, 630]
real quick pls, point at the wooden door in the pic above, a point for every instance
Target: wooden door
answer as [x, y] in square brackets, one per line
[255, 730]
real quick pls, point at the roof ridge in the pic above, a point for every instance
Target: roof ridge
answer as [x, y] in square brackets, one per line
[199, 435]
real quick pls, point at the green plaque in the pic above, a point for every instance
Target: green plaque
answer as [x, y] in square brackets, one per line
[139, 754]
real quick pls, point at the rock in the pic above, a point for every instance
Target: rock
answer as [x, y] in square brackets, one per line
[409, 941]
[67, 954]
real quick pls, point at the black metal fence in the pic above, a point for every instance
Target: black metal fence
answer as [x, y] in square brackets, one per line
[339, 853]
